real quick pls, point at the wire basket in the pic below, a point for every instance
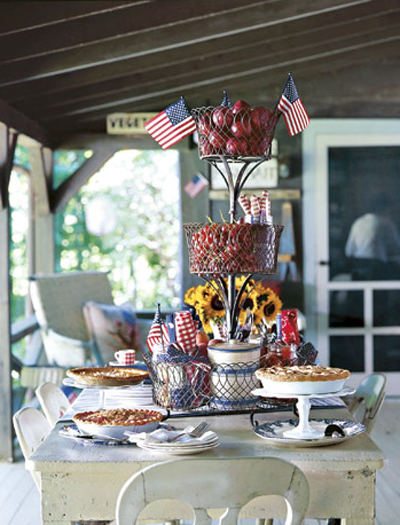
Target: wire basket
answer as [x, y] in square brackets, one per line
[246, 134]
[222, 248]
[189, 386]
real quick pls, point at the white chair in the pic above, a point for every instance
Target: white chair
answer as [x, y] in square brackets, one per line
[53, 401]
[368, 399]
[58, 300]
[214, 484]
[31, 428]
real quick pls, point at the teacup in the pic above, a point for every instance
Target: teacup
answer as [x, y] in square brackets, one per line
[125, 357]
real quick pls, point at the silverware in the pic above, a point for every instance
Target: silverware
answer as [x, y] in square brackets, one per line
[195, 433]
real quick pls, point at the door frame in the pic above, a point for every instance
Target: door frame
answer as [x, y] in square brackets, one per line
[316, 141]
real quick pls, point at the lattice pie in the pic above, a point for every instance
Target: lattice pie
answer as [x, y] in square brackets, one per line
[118, 416]
[302, 379]
[107, 376]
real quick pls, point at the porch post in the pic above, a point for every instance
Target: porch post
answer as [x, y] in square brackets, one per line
[8, 141]
[41, 244]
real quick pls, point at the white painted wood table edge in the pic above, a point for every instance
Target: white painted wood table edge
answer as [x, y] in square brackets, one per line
[83, 481]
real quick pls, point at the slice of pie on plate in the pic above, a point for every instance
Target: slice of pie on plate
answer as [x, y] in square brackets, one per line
[107, 376]
[302, 379]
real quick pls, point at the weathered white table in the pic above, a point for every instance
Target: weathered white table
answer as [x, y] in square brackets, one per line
[81, 481]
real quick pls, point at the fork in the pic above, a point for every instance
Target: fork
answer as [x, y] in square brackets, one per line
[195, 433]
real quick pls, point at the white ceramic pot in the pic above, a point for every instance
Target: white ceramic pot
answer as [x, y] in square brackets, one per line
[233, 352]
[232, 384]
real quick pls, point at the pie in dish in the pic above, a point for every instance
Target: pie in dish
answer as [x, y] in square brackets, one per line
[114, 422]
[107, 376]
[302, 379]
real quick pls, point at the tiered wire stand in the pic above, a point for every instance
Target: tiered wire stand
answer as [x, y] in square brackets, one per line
[219, 253]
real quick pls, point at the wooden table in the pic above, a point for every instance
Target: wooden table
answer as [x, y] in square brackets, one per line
[81, 481]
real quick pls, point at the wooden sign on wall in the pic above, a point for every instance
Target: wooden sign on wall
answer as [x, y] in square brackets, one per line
[128, 123]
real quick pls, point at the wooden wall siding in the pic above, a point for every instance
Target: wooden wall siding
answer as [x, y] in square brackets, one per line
[7, 148]
[67, 67]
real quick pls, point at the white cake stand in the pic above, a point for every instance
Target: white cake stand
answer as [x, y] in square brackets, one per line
[303, 430]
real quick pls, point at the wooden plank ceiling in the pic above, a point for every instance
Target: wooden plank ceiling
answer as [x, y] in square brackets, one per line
[67, 65]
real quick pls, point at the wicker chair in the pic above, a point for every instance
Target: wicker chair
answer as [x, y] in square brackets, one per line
[58, 300]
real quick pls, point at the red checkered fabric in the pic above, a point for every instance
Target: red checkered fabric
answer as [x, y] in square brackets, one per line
[290, 331]
[185, 328]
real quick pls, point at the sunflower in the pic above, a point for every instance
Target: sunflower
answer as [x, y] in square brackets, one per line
[207, 303]
[269, 305]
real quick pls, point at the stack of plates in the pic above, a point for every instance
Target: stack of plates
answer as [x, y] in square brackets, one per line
[181, 447]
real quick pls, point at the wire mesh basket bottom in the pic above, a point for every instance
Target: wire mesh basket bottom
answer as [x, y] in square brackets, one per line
[189, 386]
[244, 134]
[222, 248]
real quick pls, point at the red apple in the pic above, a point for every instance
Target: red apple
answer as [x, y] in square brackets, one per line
[260, 117]
[236, 146]
[240, 105]
[201, 337]
[222, 117]
[205, 123]
[217, 140]
[214, 342]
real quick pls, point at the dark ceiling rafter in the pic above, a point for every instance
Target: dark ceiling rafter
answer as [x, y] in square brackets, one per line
[154, 80]
[64, 66]
[99, 78]
[147, 43]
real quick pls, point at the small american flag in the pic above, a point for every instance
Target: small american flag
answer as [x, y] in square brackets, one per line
[196, 185]
[155, 337]
[226, 101]
[171, 125]
[290, 105]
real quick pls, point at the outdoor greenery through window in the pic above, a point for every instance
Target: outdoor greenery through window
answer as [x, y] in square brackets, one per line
[125, 220]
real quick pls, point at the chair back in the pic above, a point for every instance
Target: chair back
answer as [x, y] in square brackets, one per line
[31, 428]
[58, 301]
[368, 399]
[53, 401]
[213, 484]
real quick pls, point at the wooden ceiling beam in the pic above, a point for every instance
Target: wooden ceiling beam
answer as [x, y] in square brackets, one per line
[14, 119]
[70, 187]
[265, 89]
[234, 60]
[99, 77]
[173, 88]
[132, 18]
[147, 43]
[24, 16]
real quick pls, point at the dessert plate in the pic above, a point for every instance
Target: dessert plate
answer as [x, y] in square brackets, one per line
[178, 450]
[274, 432]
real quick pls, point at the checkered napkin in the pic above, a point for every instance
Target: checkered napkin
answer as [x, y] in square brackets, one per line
[185, 328]
[290, 332]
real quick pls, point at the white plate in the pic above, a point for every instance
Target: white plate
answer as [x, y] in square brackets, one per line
[273, 432]
[270, 393]
[208, 439]
[178, 451]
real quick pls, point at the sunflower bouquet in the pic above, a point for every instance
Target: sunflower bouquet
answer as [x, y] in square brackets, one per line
[262, 302]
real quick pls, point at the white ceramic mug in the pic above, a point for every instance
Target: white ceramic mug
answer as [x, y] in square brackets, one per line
[125, 357]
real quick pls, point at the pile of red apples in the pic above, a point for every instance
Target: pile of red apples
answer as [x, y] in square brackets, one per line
[236, 131]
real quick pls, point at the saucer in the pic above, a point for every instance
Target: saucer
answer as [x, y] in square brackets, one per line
[274, 432]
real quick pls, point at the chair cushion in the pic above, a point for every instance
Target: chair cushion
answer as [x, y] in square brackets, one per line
[112, 328]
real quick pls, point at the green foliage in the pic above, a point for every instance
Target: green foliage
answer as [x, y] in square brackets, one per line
[141, 253]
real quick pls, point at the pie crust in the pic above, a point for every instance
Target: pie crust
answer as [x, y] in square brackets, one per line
[118, 417]
[302, 373]
[304, 380]
[107, 376]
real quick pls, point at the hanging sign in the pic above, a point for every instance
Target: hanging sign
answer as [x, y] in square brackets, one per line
[128, 123]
